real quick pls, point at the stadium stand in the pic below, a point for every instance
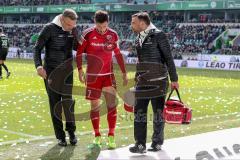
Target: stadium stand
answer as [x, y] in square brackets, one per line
[64, 2]
[185, 39]
[41, 2]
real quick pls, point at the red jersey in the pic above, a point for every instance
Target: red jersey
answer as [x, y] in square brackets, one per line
[99, 49]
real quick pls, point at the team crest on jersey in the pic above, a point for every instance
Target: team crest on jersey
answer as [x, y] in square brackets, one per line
[109, 37]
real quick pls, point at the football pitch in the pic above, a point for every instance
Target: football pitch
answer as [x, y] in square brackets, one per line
[26, 130]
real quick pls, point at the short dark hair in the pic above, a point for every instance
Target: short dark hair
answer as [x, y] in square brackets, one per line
[1, 29]
[70, 13]
[143, 16]
[101, 16]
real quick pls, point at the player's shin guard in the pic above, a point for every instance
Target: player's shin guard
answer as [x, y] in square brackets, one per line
[112, 119]
[95, 118]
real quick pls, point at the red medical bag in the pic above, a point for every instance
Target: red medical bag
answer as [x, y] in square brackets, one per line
[175, 111]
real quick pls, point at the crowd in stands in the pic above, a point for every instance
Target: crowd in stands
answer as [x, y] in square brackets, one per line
[22, 37]
[234, 50]
[194, 39]
[65, 2]
[184, 39]
[41, 2]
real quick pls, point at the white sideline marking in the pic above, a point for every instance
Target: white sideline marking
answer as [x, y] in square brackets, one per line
[19, 133]
[224, 145]
[36, 138]
[217, 115]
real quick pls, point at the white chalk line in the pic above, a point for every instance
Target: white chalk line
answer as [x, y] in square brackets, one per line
[37, 138]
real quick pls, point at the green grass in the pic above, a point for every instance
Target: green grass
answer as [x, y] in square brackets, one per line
[24, 109]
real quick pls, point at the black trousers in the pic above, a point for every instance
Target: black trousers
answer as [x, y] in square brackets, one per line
[3, 54]
[156, 93]
[59, 89]
[140, 120]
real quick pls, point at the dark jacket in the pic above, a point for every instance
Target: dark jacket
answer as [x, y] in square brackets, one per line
[155, 51]
[4, 42]
[58, 46]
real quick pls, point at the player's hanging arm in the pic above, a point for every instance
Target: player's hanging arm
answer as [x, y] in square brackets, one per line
[81, 48]
[43, 38]
[121, 64]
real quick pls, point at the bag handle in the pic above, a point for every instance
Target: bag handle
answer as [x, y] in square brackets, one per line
[170, 94]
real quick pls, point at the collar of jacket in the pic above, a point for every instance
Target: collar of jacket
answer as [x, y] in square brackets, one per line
[144, 33]
[57, 21]
[151, 32]
[147, 32]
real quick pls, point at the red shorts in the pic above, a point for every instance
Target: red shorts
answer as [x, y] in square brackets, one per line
[95, 84]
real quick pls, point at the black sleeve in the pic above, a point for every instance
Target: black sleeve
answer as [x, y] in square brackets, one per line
[41, 42]
[8, 43]
[75, 44]
[76, 38]
[0, 43]
[164, 46]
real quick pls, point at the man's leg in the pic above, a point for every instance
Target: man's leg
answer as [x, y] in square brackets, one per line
[1, 68]
[93, 93]
[158, 123]
[95, 116]
[6, 69]
[0, 71]
[110, 96]
[56, 112]
[140, 121]
[68, 106]
[95, 119]
[4, 56]
[140, 126]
